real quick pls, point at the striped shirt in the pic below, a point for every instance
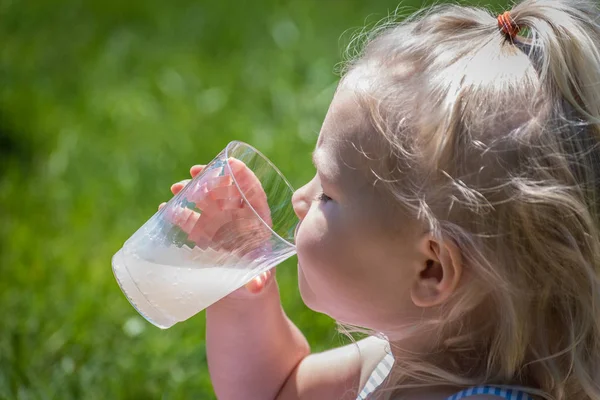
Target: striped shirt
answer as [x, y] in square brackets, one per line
[384, 367]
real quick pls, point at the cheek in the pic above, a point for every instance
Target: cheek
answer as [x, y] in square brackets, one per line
[312, 241]
[316, 248]
[328, 272]
[313, 231]
[341, 273]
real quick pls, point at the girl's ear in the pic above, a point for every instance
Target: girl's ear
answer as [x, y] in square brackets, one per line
[439, 274]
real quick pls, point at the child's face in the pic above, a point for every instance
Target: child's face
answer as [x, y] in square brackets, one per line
[350, 266]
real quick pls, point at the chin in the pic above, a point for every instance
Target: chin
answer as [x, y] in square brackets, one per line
[308, 296]
[311, 300]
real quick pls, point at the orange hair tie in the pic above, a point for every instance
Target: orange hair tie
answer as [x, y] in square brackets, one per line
[507, 25]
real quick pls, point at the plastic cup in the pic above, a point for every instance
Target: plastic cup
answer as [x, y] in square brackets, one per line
[228, 225]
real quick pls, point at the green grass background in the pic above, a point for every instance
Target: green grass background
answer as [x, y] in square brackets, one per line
[104, 104]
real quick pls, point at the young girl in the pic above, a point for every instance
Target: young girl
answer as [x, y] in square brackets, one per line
[454, 214]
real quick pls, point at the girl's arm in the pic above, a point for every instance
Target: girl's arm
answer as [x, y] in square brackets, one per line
[256, 353]
[334, 374]
[252, 347]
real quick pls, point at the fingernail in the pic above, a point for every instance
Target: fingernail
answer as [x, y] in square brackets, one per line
[255, 285]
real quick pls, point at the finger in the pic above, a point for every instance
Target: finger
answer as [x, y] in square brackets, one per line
[224, 192]
[199, 236]
[258, 200]
[199, 196]
[196, 169]
[243, 175]
[180, 215]
[219, 181]
[252, 188]
[177, 187]
[231, 204]
[259, 283]
[256, 285]
[161, 205]
[198, 192]
[190, 222]
[215, 195]
[267, 276]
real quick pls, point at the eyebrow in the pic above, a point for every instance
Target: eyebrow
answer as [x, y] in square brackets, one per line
[315, 159]
[322, 168]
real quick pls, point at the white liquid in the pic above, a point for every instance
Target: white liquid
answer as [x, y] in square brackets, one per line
[166, 294]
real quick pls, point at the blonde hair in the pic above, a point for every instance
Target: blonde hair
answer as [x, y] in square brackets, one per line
[494, 144]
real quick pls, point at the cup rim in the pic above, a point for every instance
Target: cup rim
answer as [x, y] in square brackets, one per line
[227, 150]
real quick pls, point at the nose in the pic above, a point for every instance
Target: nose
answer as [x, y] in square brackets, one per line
[300, 202]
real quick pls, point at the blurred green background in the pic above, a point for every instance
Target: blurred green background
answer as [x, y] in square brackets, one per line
[104, 104]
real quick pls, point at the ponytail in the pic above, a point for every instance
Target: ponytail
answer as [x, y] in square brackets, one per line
[564, 36]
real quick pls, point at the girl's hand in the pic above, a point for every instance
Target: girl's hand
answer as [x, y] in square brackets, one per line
[226, 222]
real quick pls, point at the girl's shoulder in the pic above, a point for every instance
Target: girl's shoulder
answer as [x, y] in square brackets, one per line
[334, 373]
[376, 360]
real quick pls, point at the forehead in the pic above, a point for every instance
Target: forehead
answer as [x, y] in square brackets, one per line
[346, 142]
[351, 155]
[345, 117]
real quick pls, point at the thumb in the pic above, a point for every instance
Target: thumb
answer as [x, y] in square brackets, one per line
[258, 284]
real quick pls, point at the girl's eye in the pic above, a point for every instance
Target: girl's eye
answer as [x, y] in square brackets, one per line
[323, 198]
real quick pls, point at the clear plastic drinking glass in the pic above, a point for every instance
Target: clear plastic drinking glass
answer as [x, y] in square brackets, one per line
[228, 225]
